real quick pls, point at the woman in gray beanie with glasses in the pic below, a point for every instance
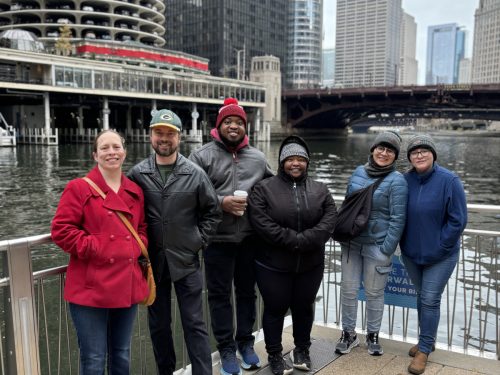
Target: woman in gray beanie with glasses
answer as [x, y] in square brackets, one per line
[294, 217]
[368, 257]
[436, 218]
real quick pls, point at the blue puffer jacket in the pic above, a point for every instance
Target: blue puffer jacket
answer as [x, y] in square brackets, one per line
[388, 215]
[437, 215]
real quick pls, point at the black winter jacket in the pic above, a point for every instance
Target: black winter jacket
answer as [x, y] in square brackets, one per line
[181, 214]
[294, 220]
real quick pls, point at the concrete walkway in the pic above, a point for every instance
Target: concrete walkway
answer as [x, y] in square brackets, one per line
[395, 360]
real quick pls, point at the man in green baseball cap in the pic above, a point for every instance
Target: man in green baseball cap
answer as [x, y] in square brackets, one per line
[182, 213]
[165, 117]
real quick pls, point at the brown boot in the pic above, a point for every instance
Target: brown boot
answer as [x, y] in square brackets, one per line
[414, 349]
[418, 363]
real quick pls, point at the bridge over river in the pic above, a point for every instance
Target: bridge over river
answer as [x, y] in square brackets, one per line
[337, 108]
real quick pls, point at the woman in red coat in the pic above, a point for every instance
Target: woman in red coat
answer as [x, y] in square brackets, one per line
[104, 281]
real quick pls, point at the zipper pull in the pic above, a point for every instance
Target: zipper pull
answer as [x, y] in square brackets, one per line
[295, 185]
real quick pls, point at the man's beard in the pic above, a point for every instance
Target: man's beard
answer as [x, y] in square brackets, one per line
[230, 143]
[162, 152]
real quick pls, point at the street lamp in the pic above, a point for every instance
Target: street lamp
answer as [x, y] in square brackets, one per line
[238, 69]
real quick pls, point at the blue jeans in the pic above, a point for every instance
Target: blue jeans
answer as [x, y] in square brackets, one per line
[103, 334]
[430, 281]
[368, 263]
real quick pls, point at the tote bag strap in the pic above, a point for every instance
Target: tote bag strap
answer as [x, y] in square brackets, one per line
[122, 217]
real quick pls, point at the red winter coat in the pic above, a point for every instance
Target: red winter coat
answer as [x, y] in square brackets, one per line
[103, 270]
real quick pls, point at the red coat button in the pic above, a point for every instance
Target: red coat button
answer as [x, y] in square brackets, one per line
[111, 260]
[112, 237]
[110, 213]
[128, 238]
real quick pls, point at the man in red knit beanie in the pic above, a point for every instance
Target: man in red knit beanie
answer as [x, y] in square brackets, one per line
[232, 164]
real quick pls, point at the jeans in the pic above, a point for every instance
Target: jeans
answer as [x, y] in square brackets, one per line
[430, 281]
[226, 263]
[288, 290]
[189, 298]
[103, 334]
[367, 263]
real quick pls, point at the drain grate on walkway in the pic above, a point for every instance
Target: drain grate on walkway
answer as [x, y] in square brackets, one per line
[322, 353]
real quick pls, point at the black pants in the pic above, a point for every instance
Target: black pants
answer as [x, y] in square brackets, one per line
[287, 290]
[225, 263]
[189, 298]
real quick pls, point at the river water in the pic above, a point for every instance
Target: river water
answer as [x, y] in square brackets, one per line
[32, 178]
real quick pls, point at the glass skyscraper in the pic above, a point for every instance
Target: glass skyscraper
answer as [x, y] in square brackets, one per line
[227, 32]
[445, 49]
[304, 50]
[328, 67]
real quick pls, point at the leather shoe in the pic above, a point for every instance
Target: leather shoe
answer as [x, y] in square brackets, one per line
[418, 363]
[414, 349]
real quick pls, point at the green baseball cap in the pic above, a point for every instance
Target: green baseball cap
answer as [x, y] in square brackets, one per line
[165, 117]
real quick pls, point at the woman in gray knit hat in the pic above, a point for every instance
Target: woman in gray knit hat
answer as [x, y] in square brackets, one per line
[368, 257]
[294, 217]
[436, 217]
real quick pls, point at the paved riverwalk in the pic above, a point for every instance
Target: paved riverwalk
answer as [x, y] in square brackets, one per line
[394, 361]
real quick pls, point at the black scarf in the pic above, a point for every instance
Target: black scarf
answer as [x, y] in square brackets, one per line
[375, 170]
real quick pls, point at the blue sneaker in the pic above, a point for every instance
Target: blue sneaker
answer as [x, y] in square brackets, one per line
[249, 359]
[229, 363]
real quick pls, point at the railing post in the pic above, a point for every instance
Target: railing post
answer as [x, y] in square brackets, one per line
[24, 322]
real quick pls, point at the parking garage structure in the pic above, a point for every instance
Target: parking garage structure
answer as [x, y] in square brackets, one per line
[109, 20]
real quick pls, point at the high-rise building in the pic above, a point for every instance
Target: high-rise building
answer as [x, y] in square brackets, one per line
[445, 49]
[486, 50]
[464, 71]
[228, 33]
[304, 44]
[408, 66]
[138, 21]
[328, 67]
[367, 42]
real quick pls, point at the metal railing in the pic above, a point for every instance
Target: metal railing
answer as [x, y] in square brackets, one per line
[469, 308]
[37, 337]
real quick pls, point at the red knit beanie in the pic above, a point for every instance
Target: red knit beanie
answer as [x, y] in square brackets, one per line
[230, 108]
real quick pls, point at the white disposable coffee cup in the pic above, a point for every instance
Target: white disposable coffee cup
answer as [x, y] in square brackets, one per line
[240, 193]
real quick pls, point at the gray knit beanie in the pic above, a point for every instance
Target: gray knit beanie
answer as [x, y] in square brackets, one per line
[421, 141]
[389, 139]
[293, 149]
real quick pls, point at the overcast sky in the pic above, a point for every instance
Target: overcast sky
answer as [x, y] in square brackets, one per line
[426, 13]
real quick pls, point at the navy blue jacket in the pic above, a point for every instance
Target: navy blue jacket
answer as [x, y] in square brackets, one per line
[436, 215]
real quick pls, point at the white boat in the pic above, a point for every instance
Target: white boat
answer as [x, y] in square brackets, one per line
[7, 133]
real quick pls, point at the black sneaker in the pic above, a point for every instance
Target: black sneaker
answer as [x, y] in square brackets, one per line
[278, 364]
[301, 359]
[346, 342]
[374, 348]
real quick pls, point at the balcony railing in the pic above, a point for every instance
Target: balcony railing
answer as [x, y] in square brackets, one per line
[37, 336]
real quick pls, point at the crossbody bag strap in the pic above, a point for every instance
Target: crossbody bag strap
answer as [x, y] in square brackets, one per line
[122, 217]
[377, 183]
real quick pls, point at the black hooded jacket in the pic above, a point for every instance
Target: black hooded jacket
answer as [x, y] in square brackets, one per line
[293, 218]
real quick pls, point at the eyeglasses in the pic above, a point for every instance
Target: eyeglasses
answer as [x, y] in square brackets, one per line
[388, 150]
[416, 153]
